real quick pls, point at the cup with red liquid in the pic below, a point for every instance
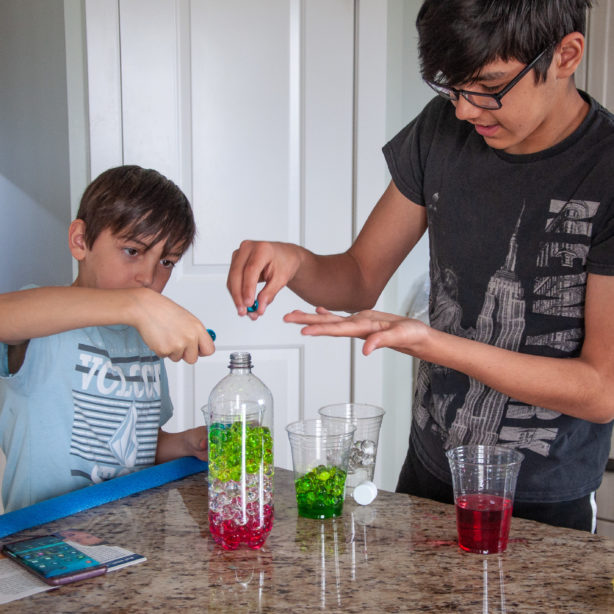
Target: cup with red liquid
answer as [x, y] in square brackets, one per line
[484, 481]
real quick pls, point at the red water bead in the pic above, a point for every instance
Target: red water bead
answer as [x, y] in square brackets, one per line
[258, 534]
[253, 508]
[256, 539]
[268, 517]
[224, 532]
[215, 518]
[230, 535]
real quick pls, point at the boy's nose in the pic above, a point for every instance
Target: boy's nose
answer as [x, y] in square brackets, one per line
[146, 275]
[465, 110]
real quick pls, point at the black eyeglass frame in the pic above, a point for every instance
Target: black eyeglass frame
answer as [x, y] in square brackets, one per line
[466, 94]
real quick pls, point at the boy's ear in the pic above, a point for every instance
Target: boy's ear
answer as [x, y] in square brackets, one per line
[568, 54]
[76, 239]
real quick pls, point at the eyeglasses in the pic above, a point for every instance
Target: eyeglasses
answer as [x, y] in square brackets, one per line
[480, 99]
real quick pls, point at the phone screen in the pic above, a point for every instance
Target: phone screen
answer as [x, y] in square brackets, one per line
[53, 560]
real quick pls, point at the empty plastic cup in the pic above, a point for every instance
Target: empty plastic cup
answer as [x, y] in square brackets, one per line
[367, 419]
[320, 455]
[484, 481]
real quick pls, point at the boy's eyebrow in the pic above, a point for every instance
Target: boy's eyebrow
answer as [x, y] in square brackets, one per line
[173, 255]
[147, 245]
[136, 240]
[492, 76]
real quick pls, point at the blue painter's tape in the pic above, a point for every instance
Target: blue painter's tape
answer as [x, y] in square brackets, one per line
[98, 494]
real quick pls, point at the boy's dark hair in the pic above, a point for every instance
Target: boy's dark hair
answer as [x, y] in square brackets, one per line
[137, 203]
[459, 37]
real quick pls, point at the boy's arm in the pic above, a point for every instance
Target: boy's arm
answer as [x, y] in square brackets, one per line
[167, 328]
[192, 442]
[349, 281]
[582, 387]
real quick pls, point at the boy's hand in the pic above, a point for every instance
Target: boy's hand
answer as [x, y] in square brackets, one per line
[260, 261]
[377, 328]
[168, 329]
[192, 442]
[195, 443]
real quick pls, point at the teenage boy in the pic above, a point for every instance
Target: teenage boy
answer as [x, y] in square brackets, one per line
[83, 388]
[511, 170]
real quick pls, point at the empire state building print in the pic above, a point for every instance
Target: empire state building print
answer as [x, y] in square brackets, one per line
[501, 323]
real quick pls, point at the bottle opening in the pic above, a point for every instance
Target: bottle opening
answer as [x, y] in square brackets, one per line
[240, 360]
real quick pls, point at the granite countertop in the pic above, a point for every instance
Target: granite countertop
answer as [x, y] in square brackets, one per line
[398, 554]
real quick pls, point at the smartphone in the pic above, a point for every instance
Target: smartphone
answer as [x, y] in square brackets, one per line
[52, 560]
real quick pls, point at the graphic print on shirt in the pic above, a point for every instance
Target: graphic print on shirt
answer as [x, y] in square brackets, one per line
[502, 323]
[116, 413]
[568, 228]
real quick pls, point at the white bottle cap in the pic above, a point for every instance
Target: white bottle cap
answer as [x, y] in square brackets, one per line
[365, 493]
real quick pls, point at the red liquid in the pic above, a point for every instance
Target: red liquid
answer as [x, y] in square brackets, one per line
[483, 523]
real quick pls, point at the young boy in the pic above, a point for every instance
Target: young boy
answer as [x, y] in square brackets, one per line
[83, 389]
[511, 170]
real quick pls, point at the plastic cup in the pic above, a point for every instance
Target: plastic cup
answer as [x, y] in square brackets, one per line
[367, 419]
[484, 481]
[320, 455]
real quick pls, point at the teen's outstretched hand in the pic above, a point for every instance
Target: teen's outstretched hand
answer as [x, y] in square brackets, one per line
[255, 262]
[168, 329]
[377, 328]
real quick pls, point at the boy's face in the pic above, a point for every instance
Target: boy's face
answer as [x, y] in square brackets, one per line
[114, 262]
[528, 120]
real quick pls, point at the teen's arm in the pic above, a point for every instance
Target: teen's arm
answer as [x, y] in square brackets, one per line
[348, 281]
[582, 387]
[192, 442]
[167, 328]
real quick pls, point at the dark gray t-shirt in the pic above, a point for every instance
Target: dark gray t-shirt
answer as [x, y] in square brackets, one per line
[512, 238]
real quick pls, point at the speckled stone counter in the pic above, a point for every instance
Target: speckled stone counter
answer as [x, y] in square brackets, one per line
[398, 554]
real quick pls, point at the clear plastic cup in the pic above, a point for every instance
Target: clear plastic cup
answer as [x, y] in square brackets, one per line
[484, 481]
[367, 419]
[320, 455]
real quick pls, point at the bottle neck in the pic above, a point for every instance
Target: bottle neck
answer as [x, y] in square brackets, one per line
[239, 370]
[240, 361]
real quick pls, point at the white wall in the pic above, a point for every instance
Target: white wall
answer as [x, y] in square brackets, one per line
[34, 160]
[600, 53]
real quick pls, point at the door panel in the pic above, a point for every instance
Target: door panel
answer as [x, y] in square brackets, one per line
[237, 102]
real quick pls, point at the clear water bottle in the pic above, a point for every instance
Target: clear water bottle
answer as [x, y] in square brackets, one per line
[240, 420]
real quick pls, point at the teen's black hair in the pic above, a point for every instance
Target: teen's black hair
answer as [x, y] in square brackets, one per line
[137, 203]
[459, 37]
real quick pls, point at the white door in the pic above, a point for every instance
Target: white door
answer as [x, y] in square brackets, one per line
[248, 107]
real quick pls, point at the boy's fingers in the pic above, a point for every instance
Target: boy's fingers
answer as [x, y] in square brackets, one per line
[176, 356]
[189, 357]
[234, 282]
[245, 270]
[300, 317]
[268, 294]
[252, 263]
[206, 346]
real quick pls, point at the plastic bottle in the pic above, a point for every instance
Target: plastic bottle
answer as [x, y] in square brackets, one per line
[240, 421]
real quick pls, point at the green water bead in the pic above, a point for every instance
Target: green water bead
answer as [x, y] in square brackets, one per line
[319, 493]
[226, 449]
[323, 481]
